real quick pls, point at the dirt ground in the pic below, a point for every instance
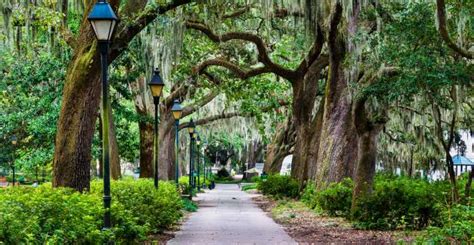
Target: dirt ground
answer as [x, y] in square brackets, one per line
[308, 227]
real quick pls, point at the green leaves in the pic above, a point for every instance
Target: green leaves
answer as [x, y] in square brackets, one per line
[63, 216]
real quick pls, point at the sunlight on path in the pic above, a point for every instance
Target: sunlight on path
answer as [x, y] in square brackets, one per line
[227, 215]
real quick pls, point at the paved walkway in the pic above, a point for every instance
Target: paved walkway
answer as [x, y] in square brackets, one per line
[227, 215]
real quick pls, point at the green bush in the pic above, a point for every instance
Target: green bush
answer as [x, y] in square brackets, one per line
[336, 199]
[255, 179]
[63, 216]
[189, 205]
[458, 226]
[249, 187]
[279, 186]
[184, 187]
[400, 203]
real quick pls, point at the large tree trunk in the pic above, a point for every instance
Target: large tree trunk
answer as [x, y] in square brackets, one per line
[338, 145]
[76, 124]
[167, 139]
[307, 122]
[113, 148]
[281, 146]
[146, 149]
[366, 161]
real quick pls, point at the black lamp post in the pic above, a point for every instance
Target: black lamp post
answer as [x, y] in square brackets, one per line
[191, 128]
[198, 143]
[14, 142]
[206, 170]
[156, 86]
[177, 111]
[103, 21]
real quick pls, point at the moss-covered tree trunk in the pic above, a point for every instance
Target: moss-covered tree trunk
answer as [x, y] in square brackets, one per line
[338, 145]
[114, 150]
[76, 124]
[304, 132]
[366, 161]
[307, 115]
[146, 149]
[167, 146]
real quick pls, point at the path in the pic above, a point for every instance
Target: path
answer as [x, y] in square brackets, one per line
[227, 216]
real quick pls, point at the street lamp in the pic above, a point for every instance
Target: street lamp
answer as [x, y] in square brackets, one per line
[177, 112]
[103, 20]
[14, 142]
[191, 127]
[198, 143]
[156, 86]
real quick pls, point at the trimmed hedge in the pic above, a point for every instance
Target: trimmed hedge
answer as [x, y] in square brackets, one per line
[336, 199]
[62, 216]
[279, 186]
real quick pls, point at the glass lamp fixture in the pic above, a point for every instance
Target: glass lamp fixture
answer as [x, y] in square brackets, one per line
[177, 110]
[156, 84]
[103, 20]
[191, 127]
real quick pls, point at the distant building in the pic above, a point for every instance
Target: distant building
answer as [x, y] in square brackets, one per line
[463, 151]
[464, 144]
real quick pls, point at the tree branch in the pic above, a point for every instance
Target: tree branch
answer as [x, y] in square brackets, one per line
[213, 118]
[314, 53]
[192, 108]
[126, 32]
[441, 13]
[200, 69]
[261, 47]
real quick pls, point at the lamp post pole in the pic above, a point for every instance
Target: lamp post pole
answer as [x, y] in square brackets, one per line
[103, 21]
[155, 140]
[191, 172]
[177, 111]
[156, 87]
[198, 169]
[198, 166]
[191, 127]
[176, 152]
[104, 47]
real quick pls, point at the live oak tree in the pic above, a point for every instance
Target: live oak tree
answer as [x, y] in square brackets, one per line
[81, 94]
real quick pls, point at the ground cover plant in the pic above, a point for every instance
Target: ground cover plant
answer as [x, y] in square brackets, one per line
[63, 216]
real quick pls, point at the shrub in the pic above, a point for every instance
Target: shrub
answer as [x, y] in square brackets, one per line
[249, 187]
[43, 214]
[458, 226]
[255, 179]
[399, 203]
[189, 205]
[223, 173]
[336, 199]
[279, 186]
[63, 216]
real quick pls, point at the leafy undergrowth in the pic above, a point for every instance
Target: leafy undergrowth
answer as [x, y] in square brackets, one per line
[306, 225]
[248, 187]
[189, 205]
[63, 216]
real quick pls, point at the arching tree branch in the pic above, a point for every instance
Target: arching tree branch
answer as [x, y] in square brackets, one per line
[200, 69]
[314, 53]
[261, 47]
[188, 110]
[441, 13]
[127, 31]
[213, 118]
